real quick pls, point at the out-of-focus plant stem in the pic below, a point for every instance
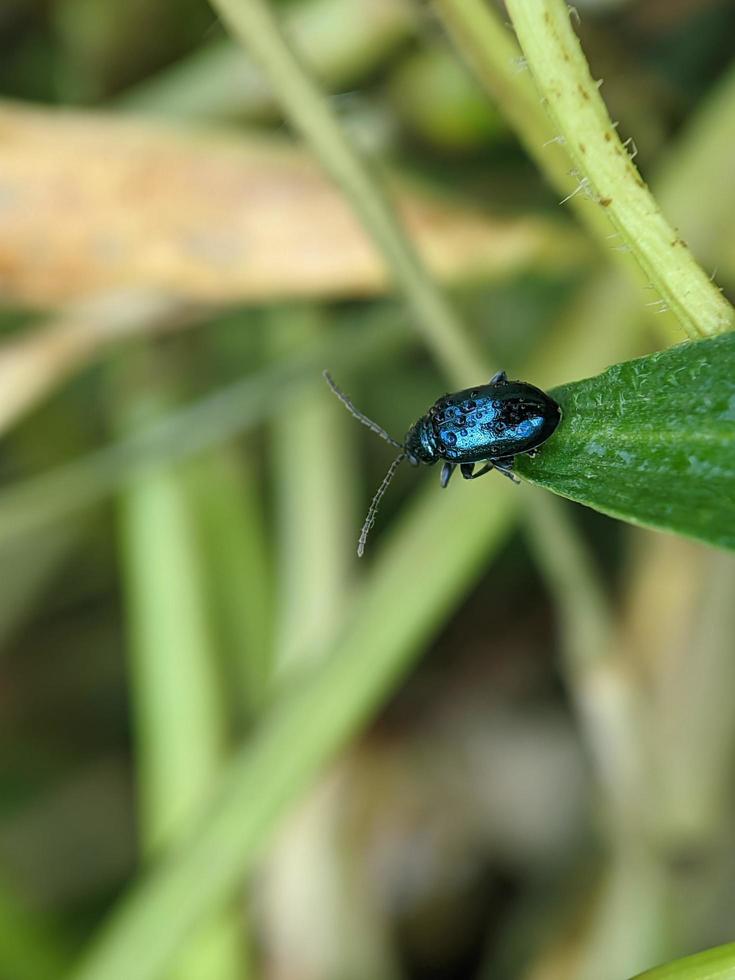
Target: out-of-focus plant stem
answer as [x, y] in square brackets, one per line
[603, 693]
[226, 496]
[255, 24]
[342, 39]
[680, 600]
[315, 494]
[177, 710]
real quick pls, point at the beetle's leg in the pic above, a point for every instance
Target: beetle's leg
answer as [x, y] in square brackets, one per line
[505, 466]
[468, 468]
[447, 471]
[498, 379]
[532, 453]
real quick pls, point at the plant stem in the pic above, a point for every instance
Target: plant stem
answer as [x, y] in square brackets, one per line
[595, 673]
[177, 706]
[254, 23]
[605, 171]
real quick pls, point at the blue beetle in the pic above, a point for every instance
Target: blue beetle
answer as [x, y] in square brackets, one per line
[489, 424]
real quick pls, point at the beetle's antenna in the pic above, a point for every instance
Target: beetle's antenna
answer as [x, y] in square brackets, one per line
[370, 519]
[373, 426]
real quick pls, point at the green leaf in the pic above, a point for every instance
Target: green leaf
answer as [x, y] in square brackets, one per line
[713, 964]
[651, 441]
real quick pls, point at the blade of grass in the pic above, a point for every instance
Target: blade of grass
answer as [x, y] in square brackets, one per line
[315, 499]
[176, 705]
[226, 498]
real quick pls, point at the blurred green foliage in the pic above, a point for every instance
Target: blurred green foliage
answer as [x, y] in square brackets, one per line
[541, 787]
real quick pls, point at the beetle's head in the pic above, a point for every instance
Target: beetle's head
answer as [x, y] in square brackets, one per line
[420, 443]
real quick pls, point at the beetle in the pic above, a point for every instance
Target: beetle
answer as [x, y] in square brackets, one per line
[489, 424]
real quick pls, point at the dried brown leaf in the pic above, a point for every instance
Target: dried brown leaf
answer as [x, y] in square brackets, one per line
[92, 202]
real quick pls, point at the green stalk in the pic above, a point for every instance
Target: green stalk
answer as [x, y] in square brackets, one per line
[605, 171]
[226, 497]
[344, 40]
[254, 23]
[596, 675]
[176, 701]
[315, 491]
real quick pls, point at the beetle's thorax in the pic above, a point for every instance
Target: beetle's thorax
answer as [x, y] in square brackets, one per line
[421, 441]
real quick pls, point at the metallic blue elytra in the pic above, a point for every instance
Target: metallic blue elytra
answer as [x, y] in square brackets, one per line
[489, 424]
[493, 422]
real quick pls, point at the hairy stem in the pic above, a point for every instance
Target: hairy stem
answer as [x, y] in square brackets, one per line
[605, 171]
